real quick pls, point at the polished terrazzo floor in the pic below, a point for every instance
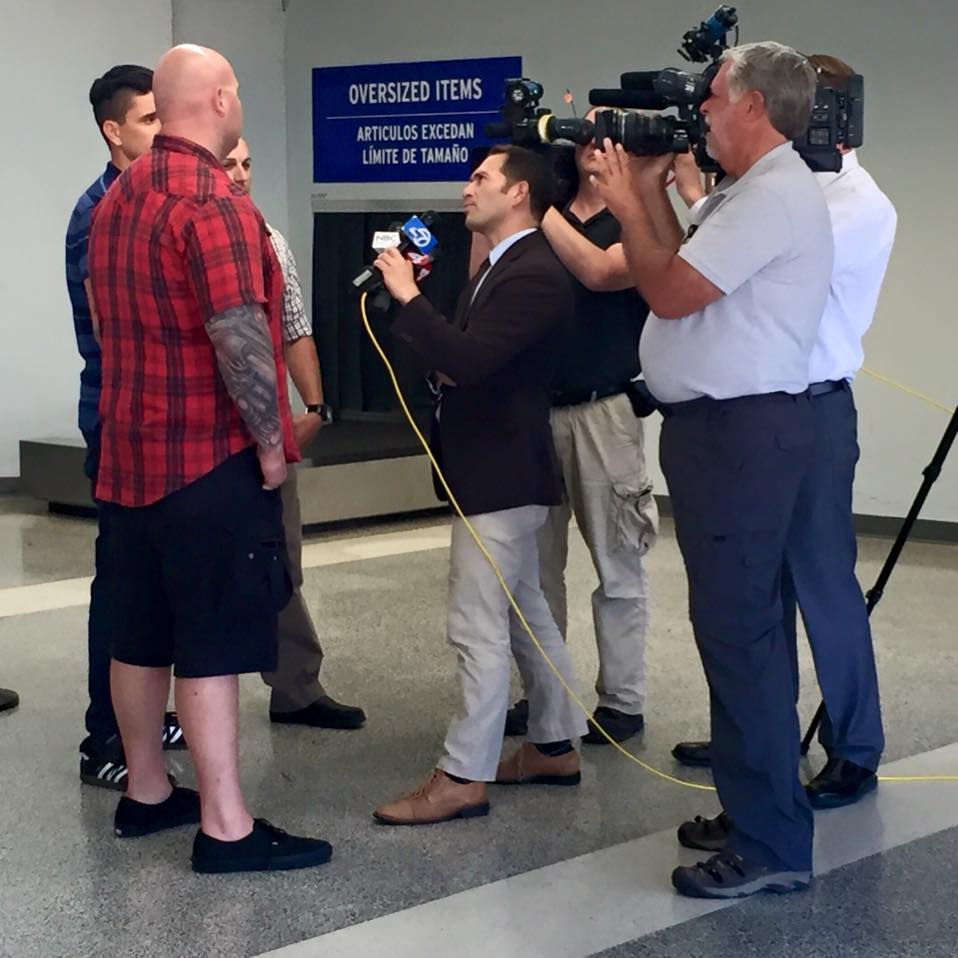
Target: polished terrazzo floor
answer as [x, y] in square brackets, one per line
[70, 888]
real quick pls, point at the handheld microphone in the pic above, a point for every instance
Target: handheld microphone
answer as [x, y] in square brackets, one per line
[416, 243]
[415, 236]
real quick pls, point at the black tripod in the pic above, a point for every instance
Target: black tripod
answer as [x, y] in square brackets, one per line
[873, 596]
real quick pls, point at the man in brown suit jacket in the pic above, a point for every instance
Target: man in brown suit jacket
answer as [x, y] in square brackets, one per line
[493, 439]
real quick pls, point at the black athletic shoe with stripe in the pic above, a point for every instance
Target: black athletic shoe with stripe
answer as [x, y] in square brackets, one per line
[173, 740]
[105, 768]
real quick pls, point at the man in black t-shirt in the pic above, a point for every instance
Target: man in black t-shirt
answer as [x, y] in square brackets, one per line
[599, 442]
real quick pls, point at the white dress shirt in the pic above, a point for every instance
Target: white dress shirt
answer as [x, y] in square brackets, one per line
[863, 226]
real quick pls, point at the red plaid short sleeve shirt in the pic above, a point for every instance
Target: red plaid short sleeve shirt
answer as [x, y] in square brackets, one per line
[173, 244]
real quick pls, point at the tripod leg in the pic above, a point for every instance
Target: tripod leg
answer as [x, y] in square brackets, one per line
[813, 728]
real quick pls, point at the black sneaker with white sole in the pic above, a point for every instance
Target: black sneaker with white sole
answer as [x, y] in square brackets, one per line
[136, 819]
[266, 849]
[730, 876]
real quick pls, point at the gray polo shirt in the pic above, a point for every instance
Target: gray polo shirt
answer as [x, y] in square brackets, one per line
[765, 240]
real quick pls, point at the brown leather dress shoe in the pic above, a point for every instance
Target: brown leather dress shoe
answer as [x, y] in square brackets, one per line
[528, 766]
[438, 799]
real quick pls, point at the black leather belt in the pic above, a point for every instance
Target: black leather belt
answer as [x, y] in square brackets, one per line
[584, 396]
[829, 386]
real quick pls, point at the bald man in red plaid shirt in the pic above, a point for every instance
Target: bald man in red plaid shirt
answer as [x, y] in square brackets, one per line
[196, 435]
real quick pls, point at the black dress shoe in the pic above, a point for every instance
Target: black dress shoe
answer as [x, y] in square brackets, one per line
[620, 726]
[839, 783]
[693, 754]
[323, 713]
[8, 700]
[517, 718]
[706, 834]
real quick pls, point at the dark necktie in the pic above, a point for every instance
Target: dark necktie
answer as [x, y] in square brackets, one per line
[473, 288]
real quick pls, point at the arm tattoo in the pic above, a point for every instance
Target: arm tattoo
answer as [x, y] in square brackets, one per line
[244, 354]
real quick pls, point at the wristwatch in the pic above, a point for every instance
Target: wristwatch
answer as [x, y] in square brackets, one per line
[322, 410]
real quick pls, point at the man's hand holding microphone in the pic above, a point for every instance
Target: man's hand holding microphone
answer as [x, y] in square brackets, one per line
[398, 275]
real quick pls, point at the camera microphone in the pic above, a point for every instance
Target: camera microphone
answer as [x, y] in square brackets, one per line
[497, 131]
[639, 80]
[628, 99]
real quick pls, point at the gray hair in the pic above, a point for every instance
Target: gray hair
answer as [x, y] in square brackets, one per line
[783, 76]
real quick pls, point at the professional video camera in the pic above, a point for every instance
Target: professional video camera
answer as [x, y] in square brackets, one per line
[527, 124]
[652, 135]
[837, 117]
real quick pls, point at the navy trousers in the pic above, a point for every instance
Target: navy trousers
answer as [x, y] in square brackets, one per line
[820, 574]
[734, 470]
[100, 719]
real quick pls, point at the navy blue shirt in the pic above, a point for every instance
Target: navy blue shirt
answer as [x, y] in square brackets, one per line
[78, 236]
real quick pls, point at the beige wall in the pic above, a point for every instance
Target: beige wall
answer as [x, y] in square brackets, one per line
[50, 53]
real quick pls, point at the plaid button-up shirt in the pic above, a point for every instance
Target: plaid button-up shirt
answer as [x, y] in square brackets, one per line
[173, 244]
[78, 238]
[296, 322]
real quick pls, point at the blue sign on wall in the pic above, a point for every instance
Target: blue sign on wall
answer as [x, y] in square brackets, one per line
[403, 122]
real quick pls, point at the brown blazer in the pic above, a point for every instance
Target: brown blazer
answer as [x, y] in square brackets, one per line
[493, 438]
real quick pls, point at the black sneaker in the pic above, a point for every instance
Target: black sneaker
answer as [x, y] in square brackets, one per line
[706, 834]
[731, 876]
[9, 700]
[266, 849]
[135, 819]
[517, 719]
[173, 739]
[104, 768]
[620, 726]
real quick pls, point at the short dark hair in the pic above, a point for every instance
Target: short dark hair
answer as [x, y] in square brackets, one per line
[832, 71]
[521, 165]
[112, 94]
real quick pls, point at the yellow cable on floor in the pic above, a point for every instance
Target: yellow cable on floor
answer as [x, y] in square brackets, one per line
[906, 389]
[515, 606]
[498, 572]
